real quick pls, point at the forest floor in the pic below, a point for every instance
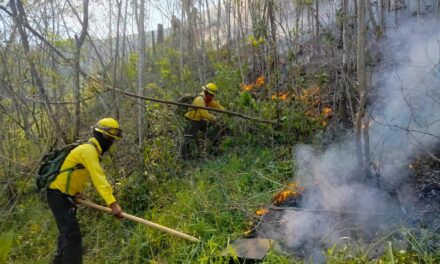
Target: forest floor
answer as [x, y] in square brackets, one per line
[215, 199]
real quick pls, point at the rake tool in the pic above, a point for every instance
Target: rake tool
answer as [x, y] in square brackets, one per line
[140, 221]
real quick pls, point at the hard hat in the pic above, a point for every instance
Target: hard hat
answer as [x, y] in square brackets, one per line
[110, 127]
[210, 88]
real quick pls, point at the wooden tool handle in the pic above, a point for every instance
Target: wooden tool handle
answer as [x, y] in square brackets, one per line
[140, 220]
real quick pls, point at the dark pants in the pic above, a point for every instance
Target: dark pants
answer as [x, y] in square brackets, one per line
[69, 239]
[191, 132]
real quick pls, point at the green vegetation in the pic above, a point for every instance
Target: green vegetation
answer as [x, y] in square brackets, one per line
[213, 200]
[213, 197]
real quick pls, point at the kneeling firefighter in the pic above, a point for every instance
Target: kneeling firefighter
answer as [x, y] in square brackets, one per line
[81, 165]
[201, 119]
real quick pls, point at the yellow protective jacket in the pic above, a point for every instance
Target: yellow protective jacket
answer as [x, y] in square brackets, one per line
[88, 156]
[202, 114]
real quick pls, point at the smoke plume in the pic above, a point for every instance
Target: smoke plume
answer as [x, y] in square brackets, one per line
[404, 109]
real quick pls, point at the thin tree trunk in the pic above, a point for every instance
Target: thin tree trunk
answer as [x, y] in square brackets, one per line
[116, 60]
[219, 14]
[366, 126]
[141, 75]
[317, 26]
[124, 37]
[77, 82]
[237, 43]
[382, 16]
[182, 17]
[110, 31]
[228, 23]
[345, 33]
[273, 62]
[346, 62]
[190, 26]
[373, 20]
[202, 52]
[196, 48]
[361, 74]
[356, 9]
[208, 13]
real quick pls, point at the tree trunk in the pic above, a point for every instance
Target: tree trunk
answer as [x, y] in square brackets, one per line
[182, 17]
[160, 36]
[361, 75]
[124, 36]
[187, 5]
[238, 37]
[208, 13]
[219, 14]
[346, 63]
[77, 82]
[273, 61]
[345, 33]
[317, 26]
[196, 48]
[141, 74]
[382, 16]
[201, 51]
[376, 28]
[116, 60]
[228, 23]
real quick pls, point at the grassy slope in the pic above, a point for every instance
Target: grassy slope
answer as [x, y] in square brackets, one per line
[211, 199]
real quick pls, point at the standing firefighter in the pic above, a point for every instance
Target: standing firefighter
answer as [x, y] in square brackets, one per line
[200, 119]
[84, 160]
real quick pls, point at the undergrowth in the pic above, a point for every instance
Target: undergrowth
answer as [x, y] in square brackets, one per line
[211, 200]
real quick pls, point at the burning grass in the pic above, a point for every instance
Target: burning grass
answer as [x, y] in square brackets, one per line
[291, 191]
[259, 82]
[262, 211]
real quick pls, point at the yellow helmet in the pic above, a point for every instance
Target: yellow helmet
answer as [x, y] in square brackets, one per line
[110, 127]
[210, 88]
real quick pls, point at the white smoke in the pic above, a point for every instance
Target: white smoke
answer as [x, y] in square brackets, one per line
[405, 109]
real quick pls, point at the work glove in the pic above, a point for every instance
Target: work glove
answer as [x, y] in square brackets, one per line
[116, 210]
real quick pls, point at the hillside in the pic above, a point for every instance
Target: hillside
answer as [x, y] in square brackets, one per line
[268, 131]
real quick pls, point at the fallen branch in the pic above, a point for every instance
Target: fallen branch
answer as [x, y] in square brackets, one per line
[192, 106]
[140, 220]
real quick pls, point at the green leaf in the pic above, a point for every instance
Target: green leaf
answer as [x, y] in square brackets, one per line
[6, 240]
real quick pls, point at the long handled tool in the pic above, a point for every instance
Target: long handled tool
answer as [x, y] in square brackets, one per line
[140, 220]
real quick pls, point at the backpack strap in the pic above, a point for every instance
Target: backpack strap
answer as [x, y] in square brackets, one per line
[71, 169]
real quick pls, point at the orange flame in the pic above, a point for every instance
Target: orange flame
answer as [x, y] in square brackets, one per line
[247, 87]
[250, 86]
[260, 81]
[327, 111]
[280, 96]
[293, 191]
[262, 212]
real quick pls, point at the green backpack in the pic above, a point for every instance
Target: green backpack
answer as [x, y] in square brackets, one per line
[50, 166]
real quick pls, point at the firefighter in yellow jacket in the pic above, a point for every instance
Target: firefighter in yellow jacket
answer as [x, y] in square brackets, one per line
[61, 192]
[200, 119]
